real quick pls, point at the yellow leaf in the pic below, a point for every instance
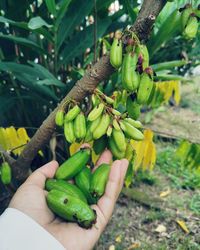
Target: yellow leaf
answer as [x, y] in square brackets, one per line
[145, 152]
[112, 247]
[139, 149]
[134, 246]
[118, 239]
[183, 226]
[3, 141]
[153, 157]
[95, 157]
[13, 139]
[177, 94]
[23, 137]
[161, 229]
[183, 150]
[74, 147]
[165, 193]
[148, 135]
[169, 89]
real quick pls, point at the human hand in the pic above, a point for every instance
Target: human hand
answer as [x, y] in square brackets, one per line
[31, 200]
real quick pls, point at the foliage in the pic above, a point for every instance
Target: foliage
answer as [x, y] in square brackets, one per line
[180, 176]
[164, 92]
[42, 55]
[13, 140]
[189, 155]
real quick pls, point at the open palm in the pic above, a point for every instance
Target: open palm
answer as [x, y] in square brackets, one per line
[31, 200]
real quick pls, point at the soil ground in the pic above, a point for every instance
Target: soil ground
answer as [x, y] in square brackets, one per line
[134, 226]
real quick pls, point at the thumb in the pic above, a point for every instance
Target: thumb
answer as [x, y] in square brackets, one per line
[39, 177]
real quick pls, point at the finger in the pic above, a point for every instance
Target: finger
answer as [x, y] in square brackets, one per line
[107, 202]
[124, 167]
[105, 157]
[39, 177]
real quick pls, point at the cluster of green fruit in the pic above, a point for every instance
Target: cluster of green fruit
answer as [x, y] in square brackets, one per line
[5, 172]
[103, 125]
[136, 75]
[71, 201]
[189, 21]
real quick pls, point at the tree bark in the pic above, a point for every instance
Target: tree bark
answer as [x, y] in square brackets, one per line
[98, 73]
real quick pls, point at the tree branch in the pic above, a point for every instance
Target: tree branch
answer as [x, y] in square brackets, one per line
[98, 73]
[6, 156]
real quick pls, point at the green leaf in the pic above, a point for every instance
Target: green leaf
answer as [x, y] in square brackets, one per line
[40, 74]
[24, 41]
[161, 76]
[83, 40]
[48, 78]
[61, 12]
[73, 17]
[168, 65]
[24, 25]
[30, 83]
[37, 22]
[168, 29]
[129, 10]
[51, 5]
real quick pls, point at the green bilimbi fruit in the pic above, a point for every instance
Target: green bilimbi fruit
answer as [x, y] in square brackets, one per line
[72, 113]
[151, 96]
[99, 180]
[66, 187]
[119, 139]
[185, 14]
[131, 131]
[191, 28]
[88, 136]
[83, 180]
[95, 100]
[109, 131]
[130, 78]
[114, 149]
[73, 165]
[116, 52]
[59, 120]
[116, 124]
[145, 87]
[129, 152]
[102, 126]
[80, 126]
[142, 49]
[6, 174]
[69, 131]
[95, 124]
[96, 112]
[71, 208]
[133, 108]
[136, 124]
[100, 144]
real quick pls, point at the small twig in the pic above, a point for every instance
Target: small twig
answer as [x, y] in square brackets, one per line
[95, 31]
[6, 155]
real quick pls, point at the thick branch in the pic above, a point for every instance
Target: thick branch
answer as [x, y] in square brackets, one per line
[149, 11]
[99, 72]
